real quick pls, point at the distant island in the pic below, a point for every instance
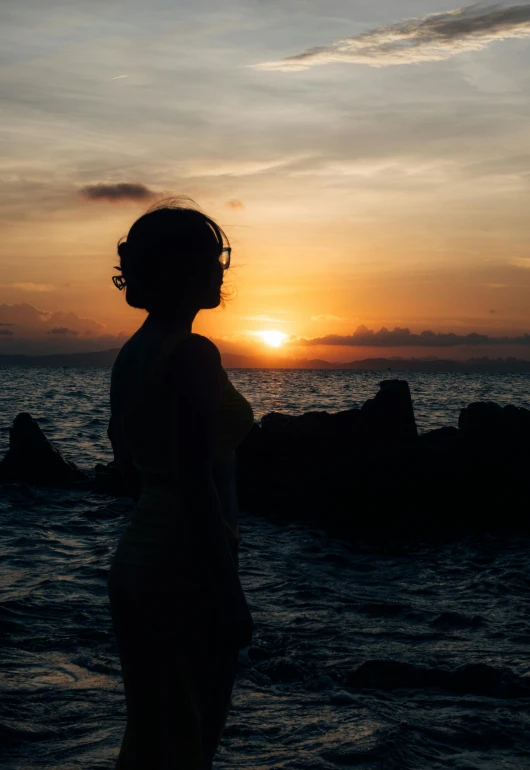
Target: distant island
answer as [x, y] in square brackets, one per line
[232, 361]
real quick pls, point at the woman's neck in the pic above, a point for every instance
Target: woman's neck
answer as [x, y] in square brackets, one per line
[180, 322]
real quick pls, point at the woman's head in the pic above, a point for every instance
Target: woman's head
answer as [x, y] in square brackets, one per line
[173, 259]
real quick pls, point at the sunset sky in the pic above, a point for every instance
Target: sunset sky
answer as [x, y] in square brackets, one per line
[370, 163]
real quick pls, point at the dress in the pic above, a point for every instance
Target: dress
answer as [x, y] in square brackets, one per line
[177, 678]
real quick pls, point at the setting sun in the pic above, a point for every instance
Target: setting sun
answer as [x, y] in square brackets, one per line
[275, 339]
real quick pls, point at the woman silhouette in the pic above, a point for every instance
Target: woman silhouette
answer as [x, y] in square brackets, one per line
[177, 605]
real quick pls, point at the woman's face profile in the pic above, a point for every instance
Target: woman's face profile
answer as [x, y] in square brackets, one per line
[210, 296]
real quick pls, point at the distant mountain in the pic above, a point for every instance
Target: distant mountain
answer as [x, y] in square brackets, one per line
[440, 365]
[100, 358]
[233, 361]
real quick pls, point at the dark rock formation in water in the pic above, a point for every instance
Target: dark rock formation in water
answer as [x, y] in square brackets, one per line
[387, 418]
[467, 679]
[491, 422]
[390, 416]
[367, 472]
[359, 472]
[31, 457]
[108, 480]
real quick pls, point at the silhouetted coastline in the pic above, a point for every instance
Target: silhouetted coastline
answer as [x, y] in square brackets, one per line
[235, 361]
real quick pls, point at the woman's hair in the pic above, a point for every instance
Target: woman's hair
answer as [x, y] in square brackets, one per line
[168, 253]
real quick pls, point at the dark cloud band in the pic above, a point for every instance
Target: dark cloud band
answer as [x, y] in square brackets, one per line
[399, 338]
[63, 330]
[121, 191]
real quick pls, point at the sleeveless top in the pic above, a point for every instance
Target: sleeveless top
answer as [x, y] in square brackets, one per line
[161, 531]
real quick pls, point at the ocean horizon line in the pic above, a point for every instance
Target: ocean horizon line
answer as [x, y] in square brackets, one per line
[237, 361]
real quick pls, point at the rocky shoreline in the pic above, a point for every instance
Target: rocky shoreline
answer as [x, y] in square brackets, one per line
[357, 473]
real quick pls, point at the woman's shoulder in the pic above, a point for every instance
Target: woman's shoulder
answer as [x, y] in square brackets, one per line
[122, 356]
[177, 351]
[128, 352]
[198, 345]
[195, 368]
[196, 352]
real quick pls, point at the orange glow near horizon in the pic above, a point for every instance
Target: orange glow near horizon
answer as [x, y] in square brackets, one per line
[353, 195]
[283, 285]
[273, 338]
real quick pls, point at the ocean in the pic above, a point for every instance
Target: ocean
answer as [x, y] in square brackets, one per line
[426, 614]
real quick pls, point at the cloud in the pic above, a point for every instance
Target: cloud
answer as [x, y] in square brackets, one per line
[22, 314]
[238, 167]
[72, 321]
[121, 191]
[28, 330]
[434, 37]
[398, 337]
[30, 286]
[62, 330]
[523, 262]
[234, 203]
[34, 322]
[328, 317]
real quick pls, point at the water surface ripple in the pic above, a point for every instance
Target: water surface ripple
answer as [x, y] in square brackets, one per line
[322, 608]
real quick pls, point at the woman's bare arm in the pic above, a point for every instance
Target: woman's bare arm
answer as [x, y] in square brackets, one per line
[129, 473]
[196, 377]
[195, 372]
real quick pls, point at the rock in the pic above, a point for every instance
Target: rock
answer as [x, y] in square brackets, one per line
[481, 417]
[275, 423]
[356, 473]
[469, 678]
[310, 426]
[441, 438]
[487, 420]
[390, 415]
[388, 418]
[481, 679]
[31, 457]
[333, 467]
[324, 682]
[347, 422]
[109, 481]
[390, 675]
[517, 420]
[343, 698]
